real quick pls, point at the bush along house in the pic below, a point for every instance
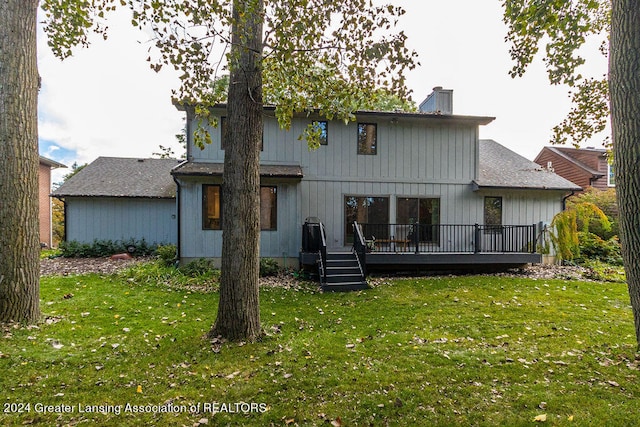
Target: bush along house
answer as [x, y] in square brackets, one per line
[390, 190]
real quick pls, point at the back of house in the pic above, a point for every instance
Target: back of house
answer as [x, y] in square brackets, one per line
[414, 182]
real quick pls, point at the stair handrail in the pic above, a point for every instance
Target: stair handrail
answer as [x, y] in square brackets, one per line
[323, 254]
[360, 248]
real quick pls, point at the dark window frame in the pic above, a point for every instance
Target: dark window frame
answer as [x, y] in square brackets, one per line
[364, 146]
[493, 224]
[273, 213]
[352, 203]
[206, 219]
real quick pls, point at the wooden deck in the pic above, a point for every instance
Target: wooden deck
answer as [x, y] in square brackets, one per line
[433, 248]
[401, 261]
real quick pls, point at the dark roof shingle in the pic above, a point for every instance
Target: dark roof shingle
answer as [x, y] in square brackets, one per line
[122, 177]
[503, 168]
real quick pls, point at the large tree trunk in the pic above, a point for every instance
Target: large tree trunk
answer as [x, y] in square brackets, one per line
[624, 86]
[19, 231]
[239, 310]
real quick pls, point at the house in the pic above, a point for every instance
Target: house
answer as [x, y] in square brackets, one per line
[44, 200]
[586, 167]
[421, 187]
[121, 199]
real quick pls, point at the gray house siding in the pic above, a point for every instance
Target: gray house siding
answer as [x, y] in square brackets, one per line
[284, 242]
[425, 156]
[407, 151]
[114, 218]
[414, 159]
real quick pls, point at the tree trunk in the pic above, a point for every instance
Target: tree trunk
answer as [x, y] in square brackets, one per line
[19, 229]
[239, 311]
[624, 87]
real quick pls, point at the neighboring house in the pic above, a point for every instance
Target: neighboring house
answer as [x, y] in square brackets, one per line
[586, 167]
[422, 188]
[121, 199]
[44, 199]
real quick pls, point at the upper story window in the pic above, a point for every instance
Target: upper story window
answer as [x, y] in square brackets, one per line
[323, 127]
[367, 138]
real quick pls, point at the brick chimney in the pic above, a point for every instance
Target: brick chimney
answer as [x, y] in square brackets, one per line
[440, 101]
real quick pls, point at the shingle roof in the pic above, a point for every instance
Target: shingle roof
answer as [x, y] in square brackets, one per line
[216, 169]
[51, 163]
[503, 168]
[122, 177]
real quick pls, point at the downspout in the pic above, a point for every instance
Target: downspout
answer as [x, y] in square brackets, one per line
[565, 198]
[178, 216]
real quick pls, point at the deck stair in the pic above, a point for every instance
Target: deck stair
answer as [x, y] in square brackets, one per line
[343, 273]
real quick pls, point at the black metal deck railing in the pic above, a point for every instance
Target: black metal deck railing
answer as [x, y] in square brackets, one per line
[449, 238]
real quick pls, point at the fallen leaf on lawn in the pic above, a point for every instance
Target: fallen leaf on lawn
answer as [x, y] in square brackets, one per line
[337, 422]
[570, 418]
[231, 376]
[290, 421]
[540, 418]
[139, 389]
[613, 384]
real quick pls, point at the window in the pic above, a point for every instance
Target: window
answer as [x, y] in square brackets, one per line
[611, 182]
[493, 214]
[224, 136]
[367, 138]
[268, 208]
[424, 211]
[212, 208]
[323, 127]
[366, 210]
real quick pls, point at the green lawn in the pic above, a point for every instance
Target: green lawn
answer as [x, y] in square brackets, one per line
[473, 350]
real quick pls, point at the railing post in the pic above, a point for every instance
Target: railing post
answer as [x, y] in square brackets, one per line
[476, 243]
[416, 235]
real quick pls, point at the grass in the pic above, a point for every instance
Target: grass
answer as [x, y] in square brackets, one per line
[472, 350]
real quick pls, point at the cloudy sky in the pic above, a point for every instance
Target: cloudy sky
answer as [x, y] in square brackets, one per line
[106, 101]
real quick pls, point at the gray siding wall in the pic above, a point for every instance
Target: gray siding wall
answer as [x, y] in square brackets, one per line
[415, 158]
[199, 243]
[103, 218]
[408, 151]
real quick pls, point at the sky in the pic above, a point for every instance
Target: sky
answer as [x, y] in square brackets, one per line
[106, 101]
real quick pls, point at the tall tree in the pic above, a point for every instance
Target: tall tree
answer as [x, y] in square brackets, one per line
[565, 26]
[301, 55]
[624, 85]
[19, 241]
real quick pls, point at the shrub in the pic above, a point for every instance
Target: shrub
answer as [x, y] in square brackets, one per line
[269, 267]
[592, 247]
[198, 267]
[167, 254]
[102, 248]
